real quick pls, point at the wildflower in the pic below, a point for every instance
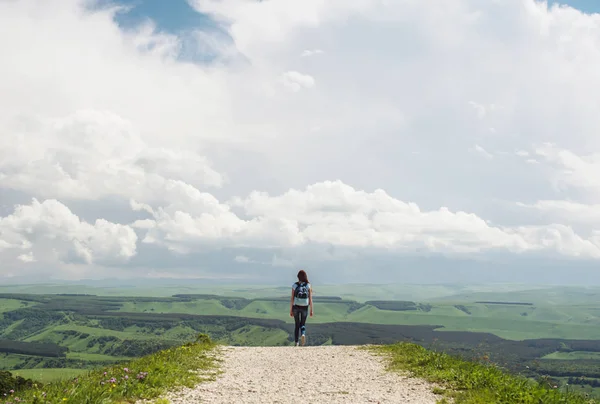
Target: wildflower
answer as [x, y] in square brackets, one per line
[126, 370]
[11, 391]
[105, 373]
[126, 377]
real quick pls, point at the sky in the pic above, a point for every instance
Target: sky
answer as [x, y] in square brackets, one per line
[363, 140]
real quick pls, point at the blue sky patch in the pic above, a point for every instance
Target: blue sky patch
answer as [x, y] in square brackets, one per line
[587, 6]
[175, 16]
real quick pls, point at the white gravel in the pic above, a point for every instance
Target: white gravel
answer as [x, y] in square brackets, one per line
[320, 374]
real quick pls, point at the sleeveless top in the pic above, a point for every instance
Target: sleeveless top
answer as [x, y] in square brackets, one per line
[300, 301]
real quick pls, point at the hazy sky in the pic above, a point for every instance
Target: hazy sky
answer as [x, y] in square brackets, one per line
[358, 138]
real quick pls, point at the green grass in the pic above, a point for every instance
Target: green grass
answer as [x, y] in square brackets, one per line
[505, 321]
[148, 377]
[592, 391]
[51, 335]
[558, 312]
[12, 304]
[48, 375]
[548, 296]
[10, 361]
[474, 383]
[258, 336]
[200, 307]
[92, 357]
[496, 322]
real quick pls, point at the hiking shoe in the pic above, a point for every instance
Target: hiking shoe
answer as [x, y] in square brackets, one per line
[297, 344]
[303, 339]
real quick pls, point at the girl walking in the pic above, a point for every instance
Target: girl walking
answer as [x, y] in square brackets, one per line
[300, 302]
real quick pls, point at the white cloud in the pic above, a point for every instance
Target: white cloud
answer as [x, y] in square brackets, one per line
[27, 257]
[309, 52]
[244, 152]
[297, 81]
[480, 150]
[571, 175]
[241, 258]
[568, 211]
[91, 155]
[571, 170]
[333, 213]
[479, 109]
[49, 232]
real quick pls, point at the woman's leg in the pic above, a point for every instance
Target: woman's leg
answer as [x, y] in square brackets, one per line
[304, 314]
[298, 321]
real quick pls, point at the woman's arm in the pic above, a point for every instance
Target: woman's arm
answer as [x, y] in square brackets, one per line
[292, 304]
[310, 300]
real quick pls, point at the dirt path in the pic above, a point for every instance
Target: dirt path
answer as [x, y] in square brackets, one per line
[329, 374]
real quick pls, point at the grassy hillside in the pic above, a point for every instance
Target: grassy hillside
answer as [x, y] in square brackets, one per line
[49, 375]
[144, 378]
[41, 334]
[358, 292]
[12, 304]
[150, 377]
[477, 382]
[507, 321]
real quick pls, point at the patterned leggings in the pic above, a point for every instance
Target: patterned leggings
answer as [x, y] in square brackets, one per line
[300, 314]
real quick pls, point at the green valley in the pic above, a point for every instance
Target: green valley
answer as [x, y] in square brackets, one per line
[552, 332]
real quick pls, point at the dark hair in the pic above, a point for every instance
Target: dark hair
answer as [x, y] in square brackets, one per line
[302, 277]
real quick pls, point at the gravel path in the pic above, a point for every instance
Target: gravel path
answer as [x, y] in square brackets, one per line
[321, 374]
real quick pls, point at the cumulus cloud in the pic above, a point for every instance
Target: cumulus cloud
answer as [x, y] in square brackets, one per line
[93, 154]
[333, 213]
[49, 232]
[375, 145]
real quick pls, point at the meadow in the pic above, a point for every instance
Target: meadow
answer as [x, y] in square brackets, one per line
[147, 378]
[53, 331]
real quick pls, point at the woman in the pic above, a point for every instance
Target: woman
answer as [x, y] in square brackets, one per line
[302, 299]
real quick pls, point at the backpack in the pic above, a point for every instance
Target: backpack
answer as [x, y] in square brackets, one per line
[301, 291]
